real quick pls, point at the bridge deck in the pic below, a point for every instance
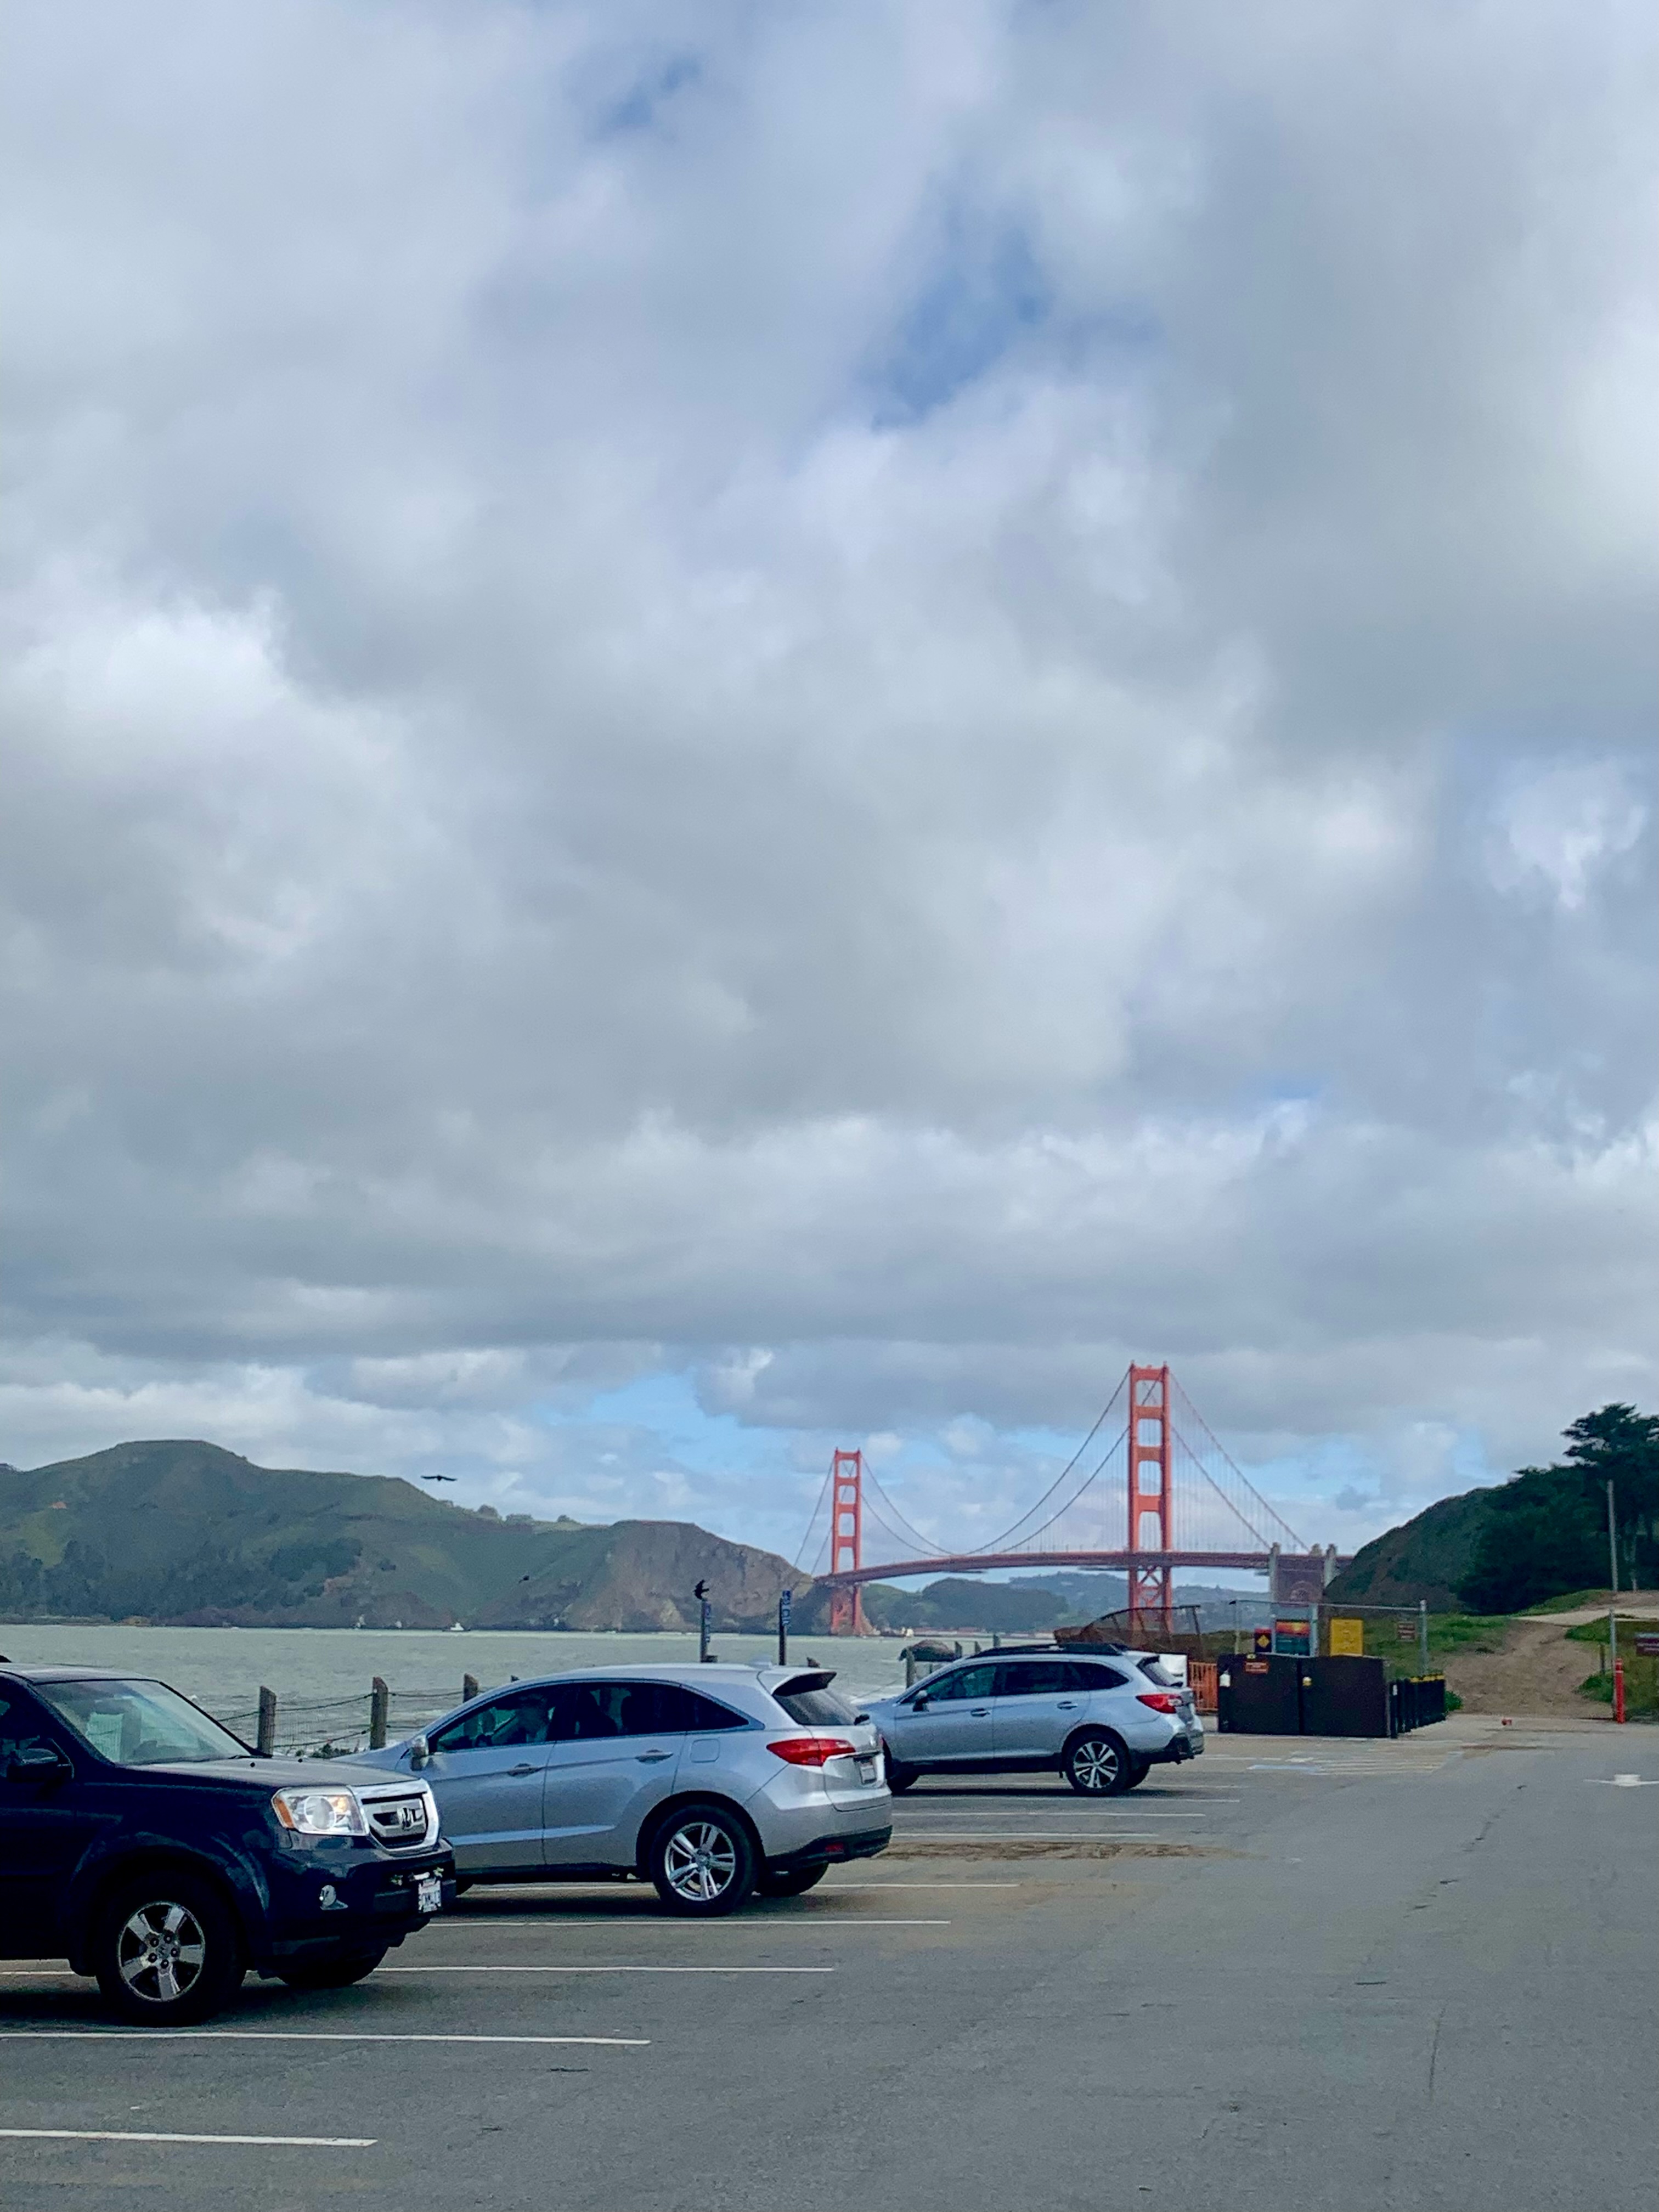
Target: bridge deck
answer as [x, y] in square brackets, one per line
[977, 1563]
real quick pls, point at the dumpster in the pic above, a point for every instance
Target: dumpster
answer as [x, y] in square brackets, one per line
[1344, 1697]
[1260, 1696]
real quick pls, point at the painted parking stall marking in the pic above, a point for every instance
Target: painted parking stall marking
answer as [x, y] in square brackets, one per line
[156, 2136]
[299, 2035]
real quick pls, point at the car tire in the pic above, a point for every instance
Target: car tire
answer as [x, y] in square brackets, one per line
[167, 1950]
[331, 1973]
[1098, 1764]
[900, 1777]
[793, 1882]
[703, 1861]
[1137, 1773]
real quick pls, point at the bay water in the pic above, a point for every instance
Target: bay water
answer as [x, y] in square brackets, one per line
[322, 1676]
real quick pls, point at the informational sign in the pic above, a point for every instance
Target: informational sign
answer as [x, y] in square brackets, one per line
[1293, 1637]
[1264, 1642]
[1647, 1643]
[1406, 1630]
[786, 1607]
[1347, 1637]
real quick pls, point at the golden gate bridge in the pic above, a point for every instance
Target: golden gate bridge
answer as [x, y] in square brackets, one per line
[1162, 1479]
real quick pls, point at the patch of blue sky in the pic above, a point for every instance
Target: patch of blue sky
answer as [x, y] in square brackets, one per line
[641, 107]
[664, 1407]
[980, 298]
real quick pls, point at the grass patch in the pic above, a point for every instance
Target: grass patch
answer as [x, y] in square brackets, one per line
[1596, 1631]
[1641, 1684]
[1572, 1601]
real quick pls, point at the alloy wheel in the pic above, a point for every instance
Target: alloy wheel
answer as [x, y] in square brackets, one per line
[1097, 1766]
[699, 1862]
[160, 1951]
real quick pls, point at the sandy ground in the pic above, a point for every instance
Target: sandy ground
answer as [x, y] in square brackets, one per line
[1537, 1672]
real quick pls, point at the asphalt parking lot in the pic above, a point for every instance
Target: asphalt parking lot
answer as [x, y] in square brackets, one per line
[1293, 1976]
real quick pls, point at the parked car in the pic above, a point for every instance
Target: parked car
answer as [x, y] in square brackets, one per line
[150, 1847]
[1103, 1721]
[712, 1782]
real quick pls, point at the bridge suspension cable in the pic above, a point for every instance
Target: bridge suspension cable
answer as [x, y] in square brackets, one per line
[1012, 1538]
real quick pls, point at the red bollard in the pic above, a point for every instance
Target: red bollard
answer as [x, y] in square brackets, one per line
[1618, 1689]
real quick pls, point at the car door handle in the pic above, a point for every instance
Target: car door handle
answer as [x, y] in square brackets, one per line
[1067, 1706]
[651, 1757]
[977, 1712]
[514, 1771]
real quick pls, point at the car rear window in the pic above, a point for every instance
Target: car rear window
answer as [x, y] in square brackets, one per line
[811, 1703]
[1092, 1675]
[1155, 1671]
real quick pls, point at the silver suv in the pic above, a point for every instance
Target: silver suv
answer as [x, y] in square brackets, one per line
[1103, 1721]
[712, 1782]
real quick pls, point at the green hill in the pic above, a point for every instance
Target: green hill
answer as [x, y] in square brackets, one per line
[1431, 1556]
[188, 1535]
[1539, 1534]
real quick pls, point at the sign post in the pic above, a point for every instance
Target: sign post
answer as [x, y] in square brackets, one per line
[786, 1606]
[705, 1622]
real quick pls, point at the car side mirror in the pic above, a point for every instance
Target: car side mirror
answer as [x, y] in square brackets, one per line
[920, 1703]
[420, 1751]
[39, 1762]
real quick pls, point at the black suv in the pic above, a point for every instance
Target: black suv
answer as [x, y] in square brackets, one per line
[148, 1845]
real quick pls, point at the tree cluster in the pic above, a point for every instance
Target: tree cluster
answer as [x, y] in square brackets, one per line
[1546, 1533]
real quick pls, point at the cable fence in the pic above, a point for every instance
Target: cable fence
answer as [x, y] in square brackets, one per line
[335, 1728]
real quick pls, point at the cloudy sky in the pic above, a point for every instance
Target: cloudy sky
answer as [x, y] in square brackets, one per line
[736, 727]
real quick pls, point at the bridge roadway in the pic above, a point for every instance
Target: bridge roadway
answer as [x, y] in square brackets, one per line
[977, 1563]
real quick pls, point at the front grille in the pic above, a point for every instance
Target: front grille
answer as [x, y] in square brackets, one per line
[401, 1822]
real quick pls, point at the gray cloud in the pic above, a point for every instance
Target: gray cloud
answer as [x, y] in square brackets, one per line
[870, 708]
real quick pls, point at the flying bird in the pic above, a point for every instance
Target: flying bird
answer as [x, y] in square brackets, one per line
[437, 1478]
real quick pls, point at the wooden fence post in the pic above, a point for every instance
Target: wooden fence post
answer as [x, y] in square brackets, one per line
[266, 1738]
[469, 1689]
[379, 1705]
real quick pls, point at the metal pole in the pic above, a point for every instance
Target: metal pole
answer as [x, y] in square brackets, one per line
[1612, 1542]
[786, 1606]
[380, 1707]
[705, 1622]
[265, 1741]
[1423, 1633]
[1613, 1609]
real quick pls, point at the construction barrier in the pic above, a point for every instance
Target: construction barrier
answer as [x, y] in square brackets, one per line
[1272, 1694]
[1200, 1679]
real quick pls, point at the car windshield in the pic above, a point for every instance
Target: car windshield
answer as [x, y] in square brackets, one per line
[140, 1723]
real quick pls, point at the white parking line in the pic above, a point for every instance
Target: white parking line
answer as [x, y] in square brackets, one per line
[731, 1927]
[289, 2035]
[606, 1969]
[875, 1888]
[135, 2135]
[1046, 1812]
[1037, 1836]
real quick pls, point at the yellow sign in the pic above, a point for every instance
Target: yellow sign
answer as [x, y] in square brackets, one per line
[1347, 1639]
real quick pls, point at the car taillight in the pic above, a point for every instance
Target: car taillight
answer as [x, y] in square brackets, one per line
[1160, 1701]
[812, 1750]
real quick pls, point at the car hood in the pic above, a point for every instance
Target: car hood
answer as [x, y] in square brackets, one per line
[265, 1775]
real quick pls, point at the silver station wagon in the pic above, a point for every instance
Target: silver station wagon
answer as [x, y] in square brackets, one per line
[713, 1782]
[1103, 1720]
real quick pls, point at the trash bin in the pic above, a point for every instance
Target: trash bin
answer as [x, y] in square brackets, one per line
[1344, 1697]
[1259, 1696]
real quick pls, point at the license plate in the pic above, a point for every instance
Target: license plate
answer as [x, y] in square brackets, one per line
[866, 1770]
[429, 1893]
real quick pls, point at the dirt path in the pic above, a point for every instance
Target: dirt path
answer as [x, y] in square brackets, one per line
[1537, 1671]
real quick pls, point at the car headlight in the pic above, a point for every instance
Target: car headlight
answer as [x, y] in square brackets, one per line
[320, 1811]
